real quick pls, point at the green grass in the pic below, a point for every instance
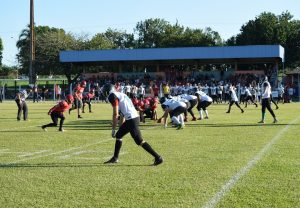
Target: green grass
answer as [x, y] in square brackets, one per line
[54, 169]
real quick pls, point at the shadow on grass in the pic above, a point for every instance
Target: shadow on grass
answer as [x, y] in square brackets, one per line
[239, 125]
[68, 165]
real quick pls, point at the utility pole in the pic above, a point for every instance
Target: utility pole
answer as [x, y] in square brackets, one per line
[32, 45]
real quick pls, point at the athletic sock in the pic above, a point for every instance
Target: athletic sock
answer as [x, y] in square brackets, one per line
[118, 146]
[149, 149]
[206, 112]
[263, 114]
[175, 120]
[201, 114]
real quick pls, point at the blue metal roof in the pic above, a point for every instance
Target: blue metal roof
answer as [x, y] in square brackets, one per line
[155, 54]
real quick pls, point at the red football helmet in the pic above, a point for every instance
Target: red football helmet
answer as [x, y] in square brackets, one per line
[83, 83]
[70, 98]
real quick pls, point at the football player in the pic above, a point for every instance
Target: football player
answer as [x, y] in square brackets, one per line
[121, 102]
[57, 112]
[234, 99]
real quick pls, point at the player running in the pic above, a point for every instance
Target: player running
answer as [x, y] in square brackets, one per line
[87, 99]
[57, 112]
[234, 99]
[248, 96]
[121, 102]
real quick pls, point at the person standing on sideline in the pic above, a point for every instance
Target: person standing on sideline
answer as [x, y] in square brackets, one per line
[21, 103]
[57, 112]
[266, 101]
[121, 102]
[234, 99]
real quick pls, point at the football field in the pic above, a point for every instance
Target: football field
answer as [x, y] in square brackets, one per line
[228, 160]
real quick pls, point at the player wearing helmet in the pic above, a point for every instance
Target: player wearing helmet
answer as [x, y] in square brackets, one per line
[121, 102]
[78, 91]
[57, 112]
[266, 101]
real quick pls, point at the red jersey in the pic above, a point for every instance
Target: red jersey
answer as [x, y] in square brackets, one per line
[155, 90]
[61, 107]
[78, 92]
[89, 95]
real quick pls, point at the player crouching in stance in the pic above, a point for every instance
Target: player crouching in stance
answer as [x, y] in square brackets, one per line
[176, 109]
[57, 112]
[203, 102]
[192, 103]
[121, 102]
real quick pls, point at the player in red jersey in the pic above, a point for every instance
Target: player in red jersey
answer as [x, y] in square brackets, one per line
[86, 99]
[57, 112]
[153, 106]
[78, 98]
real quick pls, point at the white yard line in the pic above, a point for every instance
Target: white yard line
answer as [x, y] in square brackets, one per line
[33, 153]
[54, 153]
[242, 172]
[59, 152]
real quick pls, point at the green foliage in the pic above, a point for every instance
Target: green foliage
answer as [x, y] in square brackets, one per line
[268, 28]
[55, 169]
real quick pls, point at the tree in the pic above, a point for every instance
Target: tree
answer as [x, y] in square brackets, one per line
[267, 28]
[121, 39]
[151, 33]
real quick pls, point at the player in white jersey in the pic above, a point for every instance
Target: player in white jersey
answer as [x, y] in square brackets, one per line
[266, 101]
[21, 103]
[175, 108]
[192, 103]
[203, 102]
[248, 96]
[234, 99]
[121, 102]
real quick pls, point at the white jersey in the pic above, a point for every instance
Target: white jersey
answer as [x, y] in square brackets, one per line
[172, 104]
[247, 92]
[233, 95]
[125, 105]
[266, 91]
[188, 97]
[203, 96]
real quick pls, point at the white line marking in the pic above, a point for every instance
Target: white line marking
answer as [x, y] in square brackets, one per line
[59, 152]
[234, 179]
[54, 153]
[33, 153]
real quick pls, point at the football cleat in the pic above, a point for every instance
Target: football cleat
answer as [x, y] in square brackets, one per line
[158, 161]
[44, 128]
[112, 160]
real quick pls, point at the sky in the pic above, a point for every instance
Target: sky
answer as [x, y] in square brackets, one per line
[96, 16]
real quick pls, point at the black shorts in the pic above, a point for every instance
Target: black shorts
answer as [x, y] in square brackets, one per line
[56, 115]
[193, 103]
[203, 105]
[131, 126]
[177, 111]
[77, 103]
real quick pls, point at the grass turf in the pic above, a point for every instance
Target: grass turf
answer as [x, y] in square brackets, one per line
[55, 169]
